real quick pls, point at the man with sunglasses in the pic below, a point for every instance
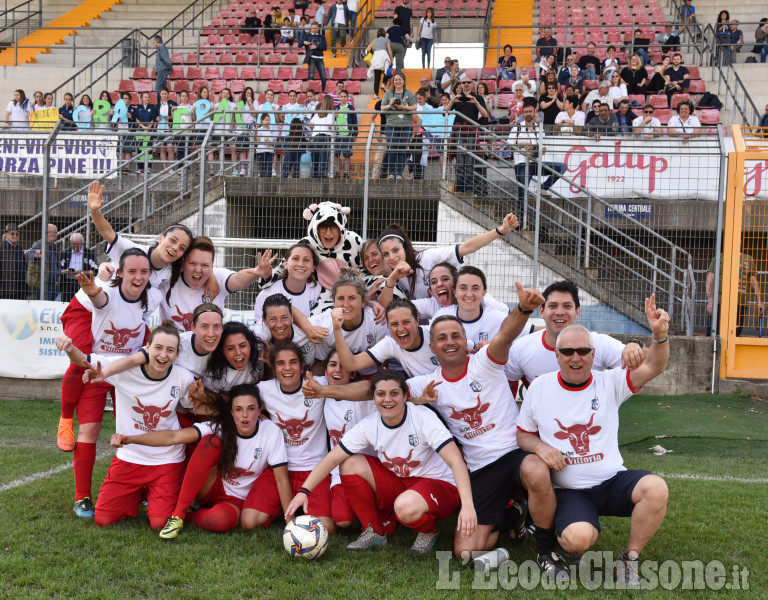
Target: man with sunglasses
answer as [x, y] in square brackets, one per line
[534, 355]
[570, 420]
[647, 125]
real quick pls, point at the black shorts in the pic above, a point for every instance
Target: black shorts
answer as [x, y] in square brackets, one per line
[612, 498]
[494, 485]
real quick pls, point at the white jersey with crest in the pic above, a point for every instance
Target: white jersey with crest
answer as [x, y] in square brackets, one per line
[481, 329]
[582, 423]
[302, 421]
[143, 404]
[264, 448]
[120, 244]
[119, 326]
[188, 356]
[304, 301]
[297, 336]
[531, 357]
[427, 307]
[340, 417]
[418, 361]
[184, 300]
[427, 260]
[232, 377]
[409, 449]
[478, 407]
[361, 338]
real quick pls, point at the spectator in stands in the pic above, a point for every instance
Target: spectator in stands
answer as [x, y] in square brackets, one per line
[736, 36]
[108, 99]
[399, 104]
[346, 132]
[252, 24]
[626, 118]
[723, 19]
[659, 80]
[548, 63]
[589, 63]
[85, 116]
[451, 77]
[604, 123]
[575, 82]
[670, 39]
[145, 117]
[165, 136]
[316, 45]
[17, 111]
[382, 59]
[601, 93]
[571, 119]
[222, 129]
[303, 30]
[524, 137]
[75, 259]
[447, 63]
[53, 276]
[550, 105]
[320, 13]
[431, 92]
[610, 64]
[338, 20]
[685, 123]
[686, 15]
[322, 126]
[185, 118]
[125, 141]
[470, 109]
[13, 266]
[647, 126]
[546, 44]
[635, 76]
[405, 14]
[564, 74]
[266, 138]
[202, 94]
[301, 4]
[48, 99]
[163, 64]
[764, 118]
[289, 27]
[272, 26]
[548, 77]
[245, 129]
[678, 77]
[761, 40]
[399, 38]
[516, 104]
[271, 108]
[640, 46]
[291, 110]
[748, 273]
[594, 110]
[426, 34]
[507, 65]
[37, 102]
[294, 147]
[529, 86]
[618, 89]
[310, 105]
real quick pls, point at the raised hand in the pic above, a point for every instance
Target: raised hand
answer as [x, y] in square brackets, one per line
[87, 283]
[64, 343]
[658, 319]
[509, 223]
[530, 298]
[95, 200]
[337, 318]
[311, 388]
[264, 268]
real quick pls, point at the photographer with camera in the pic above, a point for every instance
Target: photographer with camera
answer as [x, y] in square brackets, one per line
[400, 105]
[470, 108]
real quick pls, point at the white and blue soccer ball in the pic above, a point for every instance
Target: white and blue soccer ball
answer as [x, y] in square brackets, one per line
[305, 536]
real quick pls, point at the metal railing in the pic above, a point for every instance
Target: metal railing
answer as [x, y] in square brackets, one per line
[19, 21]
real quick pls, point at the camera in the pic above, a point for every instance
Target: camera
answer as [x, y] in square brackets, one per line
[397, 101]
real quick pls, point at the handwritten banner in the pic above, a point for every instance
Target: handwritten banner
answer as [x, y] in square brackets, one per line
[77, 156]
[44, 119]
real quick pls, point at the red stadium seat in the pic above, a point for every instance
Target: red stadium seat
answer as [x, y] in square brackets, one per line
[229, 73]
[693, 72]
[292, 58]
[241, 58]
[248, 73]
[236, 86]
[177, 58]
[488, 73]
[339, 74]
[663, 115]
[144, 85]
[639, 98]
[284, 73]
[228, 40]
[709, 116]
[658, 101]
[697, 86]
[354, 87]
[294, 84]
[276, 85]
[589, 85]
[217, 85]
[126, 85]
[314, 85]
[274, 59]
[194, 72]
[212, 73]
[678, 98]
[208, 59]
[282, 98]
[198, 83]
[140, 73]
[491, 83]
[301, 74]
[504, 100]
[191, 58]
[177, 73]
[359, 74]
[266, 73]
[244, 38]
[225, 58]
[506, 86]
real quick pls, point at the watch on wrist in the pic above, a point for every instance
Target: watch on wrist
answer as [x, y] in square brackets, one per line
[525, 312]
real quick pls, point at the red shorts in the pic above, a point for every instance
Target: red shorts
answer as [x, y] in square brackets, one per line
[341, 511]
[76, 323]
[123, 490]
[441, 497]
[264, 497]
[217, 495]
[90, 405]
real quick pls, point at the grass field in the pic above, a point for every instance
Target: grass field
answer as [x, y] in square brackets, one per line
[717, 512]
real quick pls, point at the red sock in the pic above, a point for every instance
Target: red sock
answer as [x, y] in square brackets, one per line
[84, 457]
[424, 524]
[204, 458]
[71, 388]
[362, 500]
[220, 517]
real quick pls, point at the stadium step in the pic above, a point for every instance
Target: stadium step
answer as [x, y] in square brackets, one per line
[519, 12]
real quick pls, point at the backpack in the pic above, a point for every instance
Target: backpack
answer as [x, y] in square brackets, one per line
[708, 100]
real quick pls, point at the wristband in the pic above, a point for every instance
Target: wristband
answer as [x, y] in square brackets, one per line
[525, 312]
[391, 287]
[635, 341]
[303, 490]
[664, 341]
[499, 233]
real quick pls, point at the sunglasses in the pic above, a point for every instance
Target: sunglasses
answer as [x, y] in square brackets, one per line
[570, 351]
[647, 112]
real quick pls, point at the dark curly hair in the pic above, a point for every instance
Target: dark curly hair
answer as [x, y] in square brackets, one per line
[118, 280]
[217, 364]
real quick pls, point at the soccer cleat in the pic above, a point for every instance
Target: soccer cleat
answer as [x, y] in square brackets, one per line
[424, 542]
[553, 564]
[368, 539]
[172, 528]
[65, 436]
[84, 508]
[516, 520]
[628, 572]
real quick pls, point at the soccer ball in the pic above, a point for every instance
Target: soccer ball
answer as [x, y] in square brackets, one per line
[305, 536]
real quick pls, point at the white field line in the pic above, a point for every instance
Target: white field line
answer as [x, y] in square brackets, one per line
[723, 478]
[43, 474]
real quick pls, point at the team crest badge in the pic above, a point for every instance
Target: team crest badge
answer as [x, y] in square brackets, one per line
[175, 392]
[308, 402]
[595, 403]
[426, 279]
[348, 416]
[413, 440]
[257, 454]
[435, 361]
[369, 338]
[475, 387]
[483, 336]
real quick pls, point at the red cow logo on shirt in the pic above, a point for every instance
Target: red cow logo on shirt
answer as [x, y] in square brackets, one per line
[578, 435]
[152, 414]
[400, 466]
[471, 416]
[336, 435]
[293, 428]
[184, 318]
[232, 477]
[122, 336]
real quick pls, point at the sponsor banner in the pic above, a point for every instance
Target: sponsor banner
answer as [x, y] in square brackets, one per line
[28, 331]
[77, 156]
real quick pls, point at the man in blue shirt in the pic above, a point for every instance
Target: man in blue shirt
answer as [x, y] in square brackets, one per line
[625, 117]
[52, 276]
[315, 45]
[163, 64]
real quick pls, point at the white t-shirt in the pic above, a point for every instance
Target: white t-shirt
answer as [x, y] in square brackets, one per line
[478, 408]
[531, 357]
[265, 448]
[582, 423]
[184, 300]
[361, 338]
[304, 301]
[265, 139]
[418, 361]
[617, 92]
[19, 114]
[188, 357]
[232, 377]
[680, 126]
[649, 129]
[340, 19]
[119, 326]
[143, 404]
[298, 337]
[427, 260]
[481, 329]
[302, 421]
[341, 416]
[120, 244]
[188, 118]
[323, 125]
[427, 28]
[427, 307]
[578, 118]
[409, 449]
